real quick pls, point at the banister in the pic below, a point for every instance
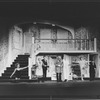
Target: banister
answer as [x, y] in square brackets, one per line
[95, 44]
[62, 39]
[67, 45]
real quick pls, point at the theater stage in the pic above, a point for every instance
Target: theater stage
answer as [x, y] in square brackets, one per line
[49, 90]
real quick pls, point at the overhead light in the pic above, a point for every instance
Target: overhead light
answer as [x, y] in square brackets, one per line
[34, 22]
[53, 24]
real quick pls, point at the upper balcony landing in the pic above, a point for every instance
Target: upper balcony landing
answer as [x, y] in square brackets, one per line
[49, 38]
[66, 46]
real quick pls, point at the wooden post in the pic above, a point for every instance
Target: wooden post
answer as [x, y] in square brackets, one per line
[29, 67]
[95, 44]
[88, 65]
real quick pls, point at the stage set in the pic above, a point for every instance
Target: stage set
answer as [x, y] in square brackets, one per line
[49, 51]
[47, 61]
[70, 69]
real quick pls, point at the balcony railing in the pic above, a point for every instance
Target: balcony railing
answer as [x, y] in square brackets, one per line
[65, 45]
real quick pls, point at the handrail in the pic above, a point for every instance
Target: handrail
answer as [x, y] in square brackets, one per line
[63, 39]
[66, 45]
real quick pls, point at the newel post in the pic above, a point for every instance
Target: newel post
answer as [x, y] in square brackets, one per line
[95, 44]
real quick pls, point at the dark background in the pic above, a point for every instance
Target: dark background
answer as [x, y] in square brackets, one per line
[76, 13]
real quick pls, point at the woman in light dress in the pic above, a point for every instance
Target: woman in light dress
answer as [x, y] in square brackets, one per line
[39, 72]
[66, 69]
[58, 68]
[82, 64]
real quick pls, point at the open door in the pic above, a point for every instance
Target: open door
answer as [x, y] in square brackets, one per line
[66, 67]
[16, 42]
[17, 38]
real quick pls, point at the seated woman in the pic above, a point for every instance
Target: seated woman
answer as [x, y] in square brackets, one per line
[17, 71]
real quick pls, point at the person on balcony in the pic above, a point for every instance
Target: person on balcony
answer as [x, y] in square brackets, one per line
[44, 66]
[17, 71]
[58, 68]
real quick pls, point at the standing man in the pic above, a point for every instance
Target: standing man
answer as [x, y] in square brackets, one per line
[92, 70]
[44, 66]
[58, 68]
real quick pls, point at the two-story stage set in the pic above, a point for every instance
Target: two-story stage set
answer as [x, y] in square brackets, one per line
[27, 43]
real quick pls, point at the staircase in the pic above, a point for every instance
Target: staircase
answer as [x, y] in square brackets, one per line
[23, 60]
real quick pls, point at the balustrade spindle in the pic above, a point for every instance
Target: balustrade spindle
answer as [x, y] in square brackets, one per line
[85, 44]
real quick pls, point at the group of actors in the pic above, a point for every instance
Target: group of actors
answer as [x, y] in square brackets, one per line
[63, 70]
[43, 66]
[60, 69]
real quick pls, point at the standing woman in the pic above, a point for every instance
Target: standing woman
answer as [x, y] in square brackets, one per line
[82, 64]
[17, 71]
[66, 69]
[39, 71]
[58, 68]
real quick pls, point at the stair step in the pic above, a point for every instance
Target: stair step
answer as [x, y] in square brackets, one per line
[8, 74]
[21, 63]
[23, 55]
[7, 77]
[8, 68]
[12, 68]
[21, 60]
[23, 75]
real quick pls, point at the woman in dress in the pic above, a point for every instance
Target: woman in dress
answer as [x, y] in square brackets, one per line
[82, 64]
[58, 68]
[66, 69]
[39, 72]
[17, 71]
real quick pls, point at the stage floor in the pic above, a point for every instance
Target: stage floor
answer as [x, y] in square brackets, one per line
[50, 89]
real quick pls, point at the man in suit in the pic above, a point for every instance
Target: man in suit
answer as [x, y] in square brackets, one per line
[92, 70]
[44, 66]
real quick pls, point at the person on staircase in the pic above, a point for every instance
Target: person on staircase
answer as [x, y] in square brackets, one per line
[17, 71]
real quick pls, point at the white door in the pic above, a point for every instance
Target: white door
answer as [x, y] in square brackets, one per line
[66, 67]
[15, 44]
[28, 42]
[17, 39]
[52, 68]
